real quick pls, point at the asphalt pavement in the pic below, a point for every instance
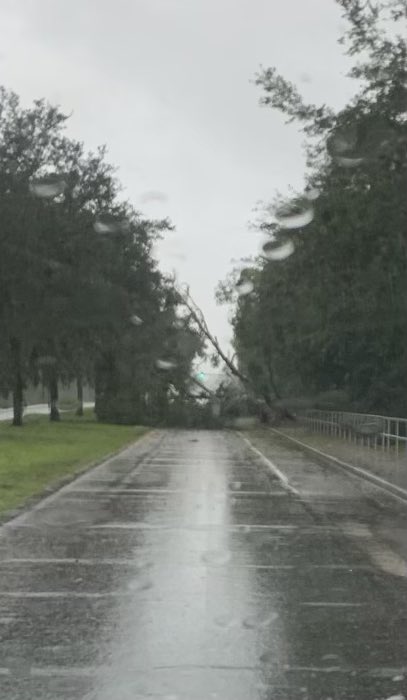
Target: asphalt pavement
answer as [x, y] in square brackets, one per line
[192, 567]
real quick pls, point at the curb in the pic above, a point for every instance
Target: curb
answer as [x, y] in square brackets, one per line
[34, 501]
[357, 472]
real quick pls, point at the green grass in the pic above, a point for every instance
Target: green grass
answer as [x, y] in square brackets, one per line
[39, 453]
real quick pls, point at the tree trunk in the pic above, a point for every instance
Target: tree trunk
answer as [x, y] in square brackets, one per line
[18, 397]
[79, 386]
[53, 398]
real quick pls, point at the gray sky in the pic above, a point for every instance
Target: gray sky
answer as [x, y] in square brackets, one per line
[166, 84]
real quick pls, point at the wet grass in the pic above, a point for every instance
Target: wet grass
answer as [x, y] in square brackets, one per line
[40, 453]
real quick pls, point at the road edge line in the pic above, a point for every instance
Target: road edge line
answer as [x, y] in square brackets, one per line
[283, 478]
[357, 472]
[53, 490]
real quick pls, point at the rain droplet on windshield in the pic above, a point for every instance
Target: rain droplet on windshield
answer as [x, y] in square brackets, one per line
[275, 250]
[312, 193]
[244, 287]
[342, 146]
[260, 620]
[165, 364]
[48, 186]
[46, 360]
[140, 584]
[216, 557]
[224, 620]
[342, 141]
[295, 217]
[108, 223]
[178, 323]
[136, 320]
[346, 162]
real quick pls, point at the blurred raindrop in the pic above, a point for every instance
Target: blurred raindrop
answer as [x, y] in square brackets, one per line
[225, 620]
[275, 250]
[140, 584]
[216, 557]
[342, 141]
[295, 217]
[136, 320]
[259, 620]
[342, 145]
[244, 286]
[46, 360]
[178, 323]
[108, 223]
[165, 364]
[345, 162]
[48, 186]
[312, 193]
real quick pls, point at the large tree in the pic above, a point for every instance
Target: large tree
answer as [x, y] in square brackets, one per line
[331, 312]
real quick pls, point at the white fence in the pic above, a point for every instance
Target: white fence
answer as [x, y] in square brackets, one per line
[375, 432]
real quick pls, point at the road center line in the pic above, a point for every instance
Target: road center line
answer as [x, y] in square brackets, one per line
[327, 604]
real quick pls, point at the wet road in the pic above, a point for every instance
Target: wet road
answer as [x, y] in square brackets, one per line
[183, 569]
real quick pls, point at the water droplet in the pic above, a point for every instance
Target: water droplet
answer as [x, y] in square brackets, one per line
[108, 223]
[330, 657]
[258, 621]
[345, 162]
[244, 287]
[312, 193]
[48, 186]
[136, 320]
[398, 678]
[178, 323]
[46, 360]
[140, 584]
[294, 217]
[342, 141]
[165, 364]
[262, 686]
[399, 696]
[274, 250]
[236, 485]
[224, 620]
[216, 557]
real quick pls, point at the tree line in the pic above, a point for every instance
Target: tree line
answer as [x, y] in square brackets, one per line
[81, 296]
[322, 310]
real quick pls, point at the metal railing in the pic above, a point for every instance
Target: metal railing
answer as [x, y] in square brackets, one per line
[375, 432]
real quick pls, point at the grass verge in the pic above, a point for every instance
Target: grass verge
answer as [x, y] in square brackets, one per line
[40, 453]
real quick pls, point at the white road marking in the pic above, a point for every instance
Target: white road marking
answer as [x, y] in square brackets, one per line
[381, 555]
[271, 466]
[70, 672]
[70, 561]
[198, 528]
[327, 604]
[316, 669]
[359, 473]
[62, 594]
[21, 520]
[75, 493]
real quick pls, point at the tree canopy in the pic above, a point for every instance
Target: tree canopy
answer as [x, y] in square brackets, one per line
[325, 307]
[81, 296]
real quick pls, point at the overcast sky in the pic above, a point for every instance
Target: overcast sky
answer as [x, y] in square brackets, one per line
[167, 85]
